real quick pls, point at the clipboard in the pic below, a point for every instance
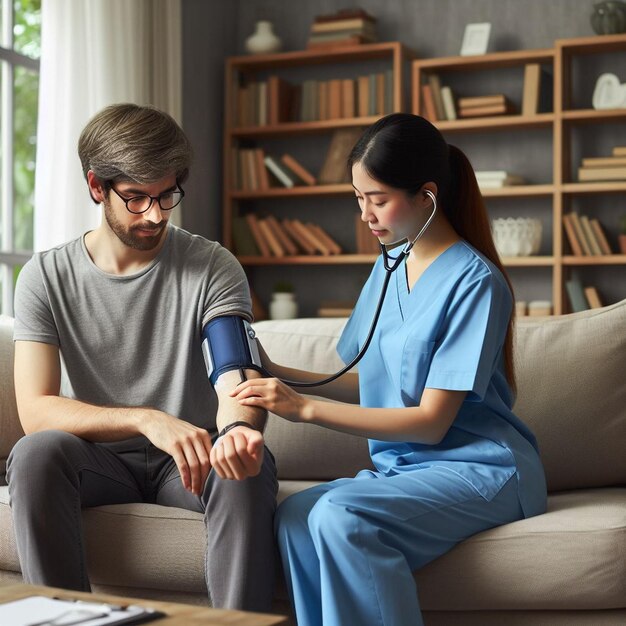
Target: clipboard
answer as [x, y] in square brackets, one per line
[45, 611]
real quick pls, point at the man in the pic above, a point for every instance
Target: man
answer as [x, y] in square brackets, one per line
[121, 310]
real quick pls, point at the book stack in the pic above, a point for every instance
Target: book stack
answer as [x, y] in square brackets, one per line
[366, 243]
[269, 237]
[496, 179]
[437, 100]
[334, 308]
[586, 236]
[582, 298]
[482, 106]
[347, 27]
[254, 170]
[604, 168]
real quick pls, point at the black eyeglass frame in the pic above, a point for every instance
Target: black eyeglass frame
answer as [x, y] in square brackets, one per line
[152, 198]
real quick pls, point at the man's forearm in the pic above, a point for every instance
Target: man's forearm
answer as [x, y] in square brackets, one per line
[229, 410]
[93, 423]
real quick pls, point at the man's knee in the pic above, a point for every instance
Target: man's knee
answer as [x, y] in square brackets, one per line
[38, 452]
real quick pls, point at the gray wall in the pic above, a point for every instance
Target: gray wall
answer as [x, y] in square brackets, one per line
[215, 29]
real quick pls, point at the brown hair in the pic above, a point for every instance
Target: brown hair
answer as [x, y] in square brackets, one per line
[406, 151]
[131, 143]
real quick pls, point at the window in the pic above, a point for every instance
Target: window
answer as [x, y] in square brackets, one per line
[20, 44]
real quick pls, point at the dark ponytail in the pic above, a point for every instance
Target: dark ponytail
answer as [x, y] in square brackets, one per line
[466, 211]
[405, 151]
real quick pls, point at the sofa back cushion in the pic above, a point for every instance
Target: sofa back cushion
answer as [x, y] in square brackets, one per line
[10, 428]
[571, 392]
[571, 376]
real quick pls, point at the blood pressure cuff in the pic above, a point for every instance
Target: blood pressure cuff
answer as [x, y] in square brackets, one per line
[229, 343]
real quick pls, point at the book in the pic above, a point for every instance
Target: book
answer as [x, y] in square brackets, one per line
[594, 245]
[284, 176]
[311, 237]
[334, 99]
[345, 14]
[324, 237]
[613, 161]
[448, 103]
[298, 169]
[492, 174]
[487, 109]
[580, 233]
[260, 169]
[342, 24]
[334, 308]
[619, 151]
[279, 93]
[314, 43]
[428, 102]
[323, 100]
[363, 96]
[435, 88]
[270, 237]
[243, 240]
[571, 235]
[334, 169]
[576, 295]
[388, 97]
[380, 93]
[285, 241]
[499, 184]
[295, 234]
[600, 236]
[479, 101]
[593, 297]
[530, 91]
[586, 174]
[259, 238]
[347, 97]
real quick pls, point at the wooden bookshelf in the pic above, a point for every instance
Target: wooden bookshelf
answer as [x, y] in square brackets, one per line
[565, 117]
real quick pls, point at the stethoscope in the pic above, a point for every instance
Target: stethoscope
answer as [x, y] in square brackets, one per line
[391, 264]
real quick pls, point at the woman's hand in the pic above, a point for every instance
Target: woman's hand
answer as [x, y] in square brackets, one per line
[273, 395]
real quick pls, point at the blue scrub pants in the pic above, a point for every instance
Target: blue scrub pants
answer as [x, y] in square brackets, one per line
[349, 547]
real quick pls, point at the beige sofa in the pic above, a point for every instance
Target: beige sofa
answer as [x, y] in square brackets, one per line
[566, 567]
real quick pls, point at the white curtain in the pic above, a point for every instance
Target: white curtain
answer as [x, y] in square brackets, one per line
[95, 53]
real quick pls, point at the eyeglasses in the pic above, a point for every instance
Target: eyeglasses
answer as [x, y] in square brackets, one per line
[140, 204]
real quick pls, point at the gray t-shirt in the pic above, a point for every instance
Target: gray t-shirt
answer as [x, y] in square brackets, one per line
[133, 340]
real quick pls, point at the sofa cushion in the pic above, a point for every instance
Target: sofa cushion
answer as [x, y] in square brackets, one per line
[572, 393]
[10, 428]
[571, 557]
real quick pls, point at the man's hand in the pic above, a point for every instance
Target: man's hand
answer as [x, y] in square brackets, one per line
[238, 454]
[188, 445]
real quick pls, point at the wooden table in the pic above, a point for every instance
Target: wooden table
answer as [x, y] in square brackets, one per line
[177, 614]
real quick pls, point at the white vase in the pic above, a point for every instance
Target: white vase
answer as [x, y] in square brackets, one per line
[283, 306]
[263, 40]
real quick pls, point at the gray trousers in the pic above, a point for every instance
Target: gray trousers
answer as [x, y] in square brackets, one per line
[53, 474]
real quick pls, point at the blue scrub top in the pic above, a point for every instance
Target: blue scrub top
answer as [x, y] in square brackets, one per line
[447, 333]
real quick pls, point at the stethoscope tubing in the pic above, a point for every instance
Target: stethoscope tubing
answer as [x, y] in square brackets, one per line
[390, 268]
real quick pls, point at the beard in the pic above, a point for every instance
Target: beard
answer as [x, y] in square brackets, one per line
[127, 234]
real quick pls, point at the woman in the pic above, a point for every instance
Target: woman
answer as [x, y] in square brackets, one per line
[436, 389]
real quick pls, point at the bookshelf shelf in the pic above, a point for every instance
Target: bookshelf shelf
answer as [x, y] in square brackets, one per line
[301, 128]
[335, 259]
[500, 122]
[590, 188]
[583, 116]
[606, 259]
[519, 191]
[528, 261]
[294, 192]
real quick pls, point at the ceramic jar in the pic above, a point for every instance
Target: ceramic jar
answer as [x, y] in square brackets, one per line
[609, 18]
[283, 306]
[263, 40]
[516, 236]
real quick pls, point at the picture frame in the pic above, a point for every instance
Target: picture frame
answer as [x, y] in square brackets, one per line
[476, 39]
[609, 93]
